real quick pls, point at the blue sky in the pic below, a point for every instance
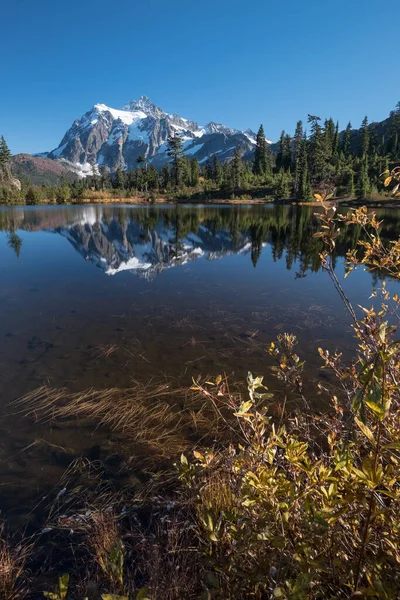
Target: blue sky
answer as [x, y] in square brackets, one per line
[239, 62]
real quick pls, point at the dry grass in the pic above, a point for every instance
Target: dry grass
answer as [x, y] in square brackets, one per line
[156, 422]
[106, 545]
[13, 558]
[147, 417]
[170, 561]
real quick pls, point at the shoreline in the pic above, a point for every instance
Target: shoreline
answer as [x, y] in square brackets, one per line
[140, 201]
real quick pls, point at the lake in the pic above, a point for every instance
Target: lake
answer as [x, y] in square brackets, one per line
[96, 296]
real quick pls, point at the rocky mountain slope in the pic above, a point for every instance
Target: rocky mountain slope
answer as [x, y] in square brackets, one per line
[116, 138]
[39, 170]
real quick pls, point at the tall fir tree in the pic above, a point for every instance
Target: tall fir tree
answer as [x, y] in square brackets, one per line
[260, 164]
[316, 150]
[394, 135]
[364, 138]
[346, 145]
[217, 174]
[287, 152]
[5, 154]
[335, 145]
[194, 172]
[297, 141]
[175, 152]
[237, 170]
[304, 192]
[281, 152]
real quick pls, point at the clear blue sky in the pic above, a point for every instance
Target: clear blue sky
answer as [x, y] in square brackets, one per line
[238, 62]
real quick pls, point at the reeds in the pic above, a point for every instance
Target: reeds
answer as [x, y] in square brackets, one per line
[13, 557]
[147, 417]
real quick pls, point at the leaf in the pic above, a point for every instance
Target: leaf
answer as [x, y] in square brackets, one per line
[387, 180]
[143, 593]
[244, 407]
[366, 431]
[63, 584]
[198, 455]
[116, 597]
[320, 198]
[184, 460]
[376, 409]
[279, 592]
[218, 380]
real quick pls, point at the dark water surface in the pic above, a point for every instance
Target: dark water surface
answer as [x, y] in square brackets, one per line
[94, 296]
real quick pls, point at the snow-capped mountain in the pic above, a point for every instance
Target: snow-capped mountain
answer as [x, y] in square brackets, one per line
[116, 138]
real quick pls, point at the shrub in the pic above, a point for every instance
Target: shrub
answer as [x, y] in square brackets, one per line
[34, 195]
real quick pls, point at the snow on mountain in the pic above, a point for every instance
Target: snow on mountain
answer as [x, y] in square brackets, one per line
[115, 138]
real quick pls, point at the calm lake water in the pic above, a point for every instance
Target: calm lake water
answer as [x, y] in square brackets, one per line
[95, 296]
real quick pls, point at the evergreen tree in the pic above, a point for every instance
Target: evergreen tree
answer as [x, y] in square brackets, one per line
[217, 174]
[329, 137]
[316, 151]
[394, 139]
[287, 152]
[165, 177]
[260, 165]
[119, 179]
[5, 154]
[348, 184]
[364, 140]
[281, 152]
[175, 152]
[346, 147]
[298, 138]
[282, 191]
[209, 168]
[304, 192]
[194, 172]
[237, 169]
[335, 145]
[5, 157]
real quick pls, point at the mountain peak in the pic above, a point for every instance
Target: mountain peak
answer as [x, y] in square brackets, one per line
[144, 104]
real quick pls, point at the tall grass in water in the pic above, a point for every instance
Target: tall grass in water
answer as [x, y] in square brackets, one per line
[13, 557]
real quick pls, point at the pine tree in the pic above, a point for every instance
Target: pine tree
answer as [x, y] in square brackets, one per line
[317, 152]
[282, 191]
[287, 152]
[119, 179]
[217, 174]
[335, 145]
[394, 139]
[304, 192]
[175, 151]
[194, 172]
[348, 184]
[364, 141]
[329, 137]
[281, 151]
[260, 165]
[237, 169]
[5, 154]
[346, 146]
[298, 137]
